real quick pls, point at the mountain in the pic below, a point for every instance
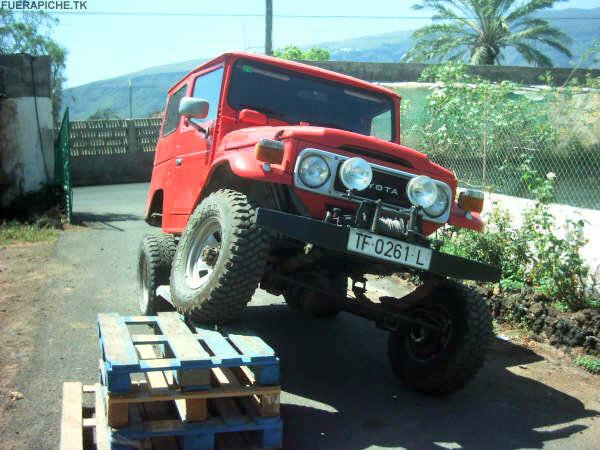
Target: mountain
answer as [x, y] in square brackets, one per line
[583, 25]
[149, 86]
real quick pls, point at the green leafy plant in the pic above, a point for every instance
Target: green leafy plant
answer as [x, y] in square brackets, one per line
[535, 254]
[293, 52]
[589, 363]
[481, 129]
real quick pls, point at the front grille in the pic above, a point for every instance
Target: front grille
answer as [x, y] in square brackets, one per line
[388, 187]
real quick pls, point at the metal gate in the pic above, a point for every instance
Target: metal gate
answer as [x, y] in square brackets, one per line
[62, 164]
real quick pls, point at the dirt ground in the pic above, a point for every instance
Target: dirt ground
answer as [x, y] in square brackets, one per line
[24, 270]
[338, 389]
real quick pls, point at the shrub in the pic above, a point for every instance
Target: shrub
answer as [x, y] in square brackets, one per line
[589, 363]
[533, 254]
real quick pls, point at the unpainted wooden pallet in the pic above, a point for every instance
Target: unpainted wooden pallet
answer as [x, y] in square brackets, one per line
[151, 418]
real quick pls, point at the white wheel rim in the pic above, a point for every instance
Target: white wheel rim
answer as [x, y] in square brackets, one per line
[204, 254]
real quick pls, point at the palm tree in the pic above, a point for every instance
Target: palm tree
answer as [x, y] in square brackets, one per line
[478, 31]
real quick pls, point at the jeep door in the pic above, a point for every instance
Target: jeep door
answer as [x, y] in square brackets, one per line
[194, 148]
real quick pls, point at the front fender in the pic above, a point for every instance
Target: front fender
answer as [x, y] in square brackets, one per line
[244, 164]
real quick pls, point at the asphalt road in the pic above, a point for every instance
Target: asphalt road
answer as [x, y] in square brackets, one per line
[340, 392]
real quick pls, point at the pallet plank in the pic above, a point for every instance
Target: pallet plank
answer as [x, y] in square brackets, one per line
[245, 375]
[71, 428]
[219, 346]
[192, 410]
[101, 425]
[229, 411]
[252, 346]
[139, 320]
[181, 340]
[139, 339]
[116, 342]
[143, 396]
[156, 379]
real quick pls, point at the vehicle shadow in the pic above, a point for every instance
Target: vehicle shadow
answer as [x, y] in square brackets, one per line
[103, 221]
[342, 365]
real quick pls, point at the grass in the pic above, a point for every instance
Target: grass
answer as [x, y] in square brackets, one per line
[589, 363]
[22, 232]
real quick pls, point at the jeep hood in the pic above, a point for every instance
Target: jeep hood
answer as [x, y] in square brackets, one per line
[368, 147]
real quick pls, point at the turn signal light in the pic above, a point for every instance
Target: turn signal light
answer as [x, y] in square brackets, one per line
[269, 151]
[471, 200]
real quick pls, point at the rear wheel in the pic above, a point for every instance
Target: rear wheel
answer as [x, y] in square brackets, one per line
[443, 359]
[154, 265]
[219, 260]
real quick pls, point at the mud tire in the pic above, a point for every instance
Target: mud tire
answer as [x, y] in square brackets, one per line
[155, 254]
[238, 267]
[453, 366]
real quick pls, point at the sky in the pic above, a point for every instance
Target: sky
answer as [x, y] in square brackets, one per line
[147, 33]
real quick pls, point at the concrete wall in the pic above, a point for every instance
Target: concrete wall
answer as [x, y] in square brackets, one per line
[113, 151]
[131, 167]
[26, 127]
[517, 206]
[395, 72]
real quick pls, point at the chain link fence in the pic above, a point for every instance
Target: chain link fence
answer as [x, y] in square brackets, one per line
[486, 138]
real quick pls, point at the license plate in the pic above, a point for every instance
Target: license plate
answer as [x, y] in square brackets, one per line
[381, 247]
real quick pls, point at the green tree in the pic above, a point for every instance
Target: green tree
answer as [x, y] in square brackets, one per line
[30, 33]
[478, 31]
[103, 114]
[293, 52]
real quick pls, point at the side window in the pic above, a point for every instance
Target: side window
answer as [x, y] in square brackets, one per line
[381, 126]
[208, 87]
[172, 116]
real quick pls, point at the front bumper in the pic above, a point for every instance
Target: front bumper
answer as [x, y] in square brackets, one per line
[335, 237]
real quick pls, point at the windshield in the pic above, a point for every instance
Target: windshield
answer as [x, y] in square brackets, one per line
[294, 98]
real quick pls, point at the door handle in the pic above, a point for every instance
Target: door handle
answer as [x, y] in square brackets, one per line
[178, 161]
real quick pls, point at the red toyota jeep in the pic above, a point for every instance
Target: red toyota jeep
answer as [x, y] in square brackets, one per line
[279, 174]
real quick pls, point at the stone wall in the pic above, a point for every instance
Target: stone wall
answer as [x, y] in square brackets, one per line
[547, 324]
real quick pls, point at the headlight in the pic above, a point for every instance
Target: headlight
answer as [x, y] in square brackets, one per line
[314, 171]
[440, 206]
[356, 174]
[422, 191]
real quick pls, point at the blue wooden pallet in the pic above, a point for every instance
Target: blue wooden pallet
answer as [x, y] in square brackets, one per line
[199, 436]
[187, 350]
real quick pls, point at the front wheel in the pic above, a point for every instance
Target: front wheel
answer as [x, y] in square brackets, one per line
[443, 359]
[219, 260]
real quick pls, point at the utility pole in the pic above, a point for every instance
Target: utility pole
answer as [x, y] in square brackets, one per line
[269, 28]
[130, 100]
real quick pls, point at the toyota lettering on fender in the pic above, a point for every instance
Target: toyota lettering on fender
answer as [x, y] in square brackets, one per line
[274, 173]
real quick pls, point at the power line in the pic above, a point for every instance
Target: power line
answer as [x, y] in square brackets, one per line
[249, 15]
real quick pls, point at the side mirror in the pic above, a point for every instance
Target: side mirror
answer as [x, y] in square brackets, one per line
[193, 107]
[251, 117]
